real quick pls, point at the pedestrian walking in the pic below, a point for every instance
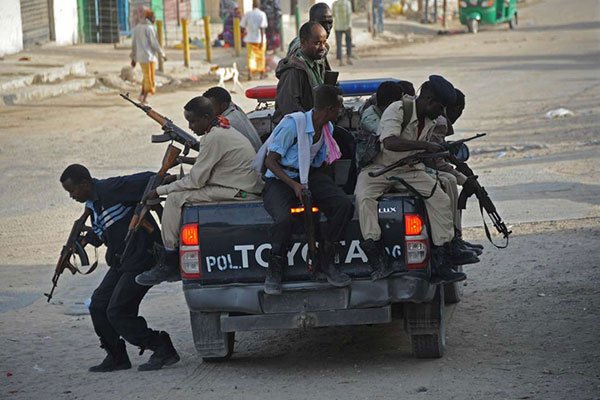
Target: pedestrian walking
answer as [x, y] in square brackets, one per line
[145, 50]
[342, 17]
[255, 22]
[377, 12]
[273, 10]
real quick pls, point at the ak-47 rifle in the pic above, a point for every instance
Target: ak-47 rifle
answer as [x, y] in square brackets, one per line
[172, 131]
[309, 227]
[169, 160]
[410, 160]
[454, 146]
[72, 247]
[472, 187]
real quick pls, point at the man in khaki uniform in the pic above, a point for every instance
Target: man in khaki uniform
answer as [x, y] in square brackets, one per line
[398, 143]
[222, 172]
[449, 176]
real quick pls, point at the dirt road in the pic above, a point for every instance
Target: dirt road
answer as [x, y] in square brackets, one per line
[526, 328]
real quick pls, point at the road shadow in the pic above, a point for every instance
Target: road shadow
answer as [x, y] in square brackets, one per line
[579, 26]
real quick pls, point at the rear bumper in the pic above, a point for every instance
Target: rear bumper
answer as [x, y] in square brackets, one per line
[308, 296]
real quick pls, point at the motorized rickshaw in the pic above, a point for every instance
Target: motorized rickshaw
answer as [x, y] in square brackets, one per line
[475, 12]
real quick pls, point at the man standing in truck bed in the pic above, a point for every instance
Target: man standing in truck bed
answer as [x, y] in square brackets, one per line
[298, 146]
[222, 172]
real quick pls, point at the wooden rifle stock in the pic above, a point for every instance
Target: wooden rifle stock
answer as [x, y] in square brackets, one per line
[169, 160]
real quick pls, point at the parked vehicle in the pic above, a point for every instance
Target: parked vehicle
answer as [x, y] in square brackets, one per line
[475, 12]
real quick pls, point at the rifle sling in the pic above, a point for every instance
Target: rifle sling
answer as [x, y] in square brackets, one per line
[487, 231]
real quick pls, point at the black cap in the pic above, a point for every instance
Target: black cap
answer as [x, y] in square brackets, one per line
[444, 91]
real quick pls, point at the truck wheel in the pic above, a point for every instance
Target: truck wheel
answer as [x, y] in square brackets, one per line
[211, 343]
[230, 344]
[473, 25]
[425, 325]
[453, 291]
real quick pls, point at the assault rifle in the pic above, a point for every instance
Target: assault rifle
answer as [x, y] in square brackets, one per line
[410, 160]
[72, 247]
[454, 146]
[309, 226]
[169, 160]
[172, 131]
[472, 187]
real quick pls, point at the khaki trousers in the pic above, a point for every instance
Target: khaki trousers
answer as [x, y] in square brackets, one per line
[450, 186]
[368, 190]
[171, 218]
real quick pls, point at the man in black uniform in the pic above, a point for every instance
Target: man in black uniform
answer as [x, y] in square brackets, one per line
[115, 303]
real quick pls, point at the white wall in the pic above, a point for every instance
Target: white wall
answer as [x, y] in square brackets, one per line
[65, 21]
[11, 30]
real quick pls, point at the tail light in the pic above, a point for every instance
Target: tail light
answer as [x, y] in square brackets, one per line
[488, 3]
[189, 252]
[416, 242]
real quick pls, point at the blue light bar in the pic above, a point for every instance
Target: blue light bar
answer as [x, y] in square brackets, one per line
[363, 87]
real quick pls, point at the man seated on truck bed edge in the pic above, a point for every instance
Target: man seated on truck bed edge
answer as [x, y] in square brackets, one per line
[222, 172]
[397, 142]
[298, 146]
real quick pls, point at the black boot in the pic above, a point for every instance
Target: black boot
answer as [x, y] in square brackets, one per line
[458, 255]
[164, 353]
[468, 246]
[327, 267]
[378, 259]
[274, 274]
[116, 358]
[476, 247]
[166, 269]
[443, 269]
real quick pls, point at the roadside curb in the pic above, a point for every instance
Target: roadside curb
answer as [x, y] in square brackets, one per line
[41, 92]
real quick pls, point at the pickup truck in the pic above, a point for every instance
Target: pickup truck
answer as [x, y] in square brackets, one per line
[223, 257]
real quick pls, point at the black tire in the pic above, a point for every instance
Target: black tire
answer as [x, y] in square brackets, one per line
[230, 344]
[514, 21]
[425, 325]
[453, 292]
[473, 26]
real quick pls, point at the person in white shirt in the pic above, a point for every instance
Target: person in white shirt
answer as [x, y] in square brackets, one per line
[255, 22]
[145, 50]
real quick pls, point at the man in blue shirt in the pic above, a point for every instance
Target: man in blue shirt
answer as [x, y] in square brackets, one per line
[115, 303]
[283, 188]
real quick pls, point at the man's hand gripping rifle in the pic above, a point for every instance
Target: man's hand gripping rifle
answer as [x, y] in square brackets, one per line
[472, 187]
[309, 227]
[169, 160]
[171, 131]
[74, 245]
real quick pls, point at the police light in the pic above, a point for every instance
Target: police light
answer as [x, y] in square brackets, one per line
[356, 87]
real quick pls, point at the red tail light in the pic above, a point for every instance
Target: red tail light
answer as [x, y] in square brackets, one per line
[189, 252]
[413, 224]
[416, 242]
[189, 235]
